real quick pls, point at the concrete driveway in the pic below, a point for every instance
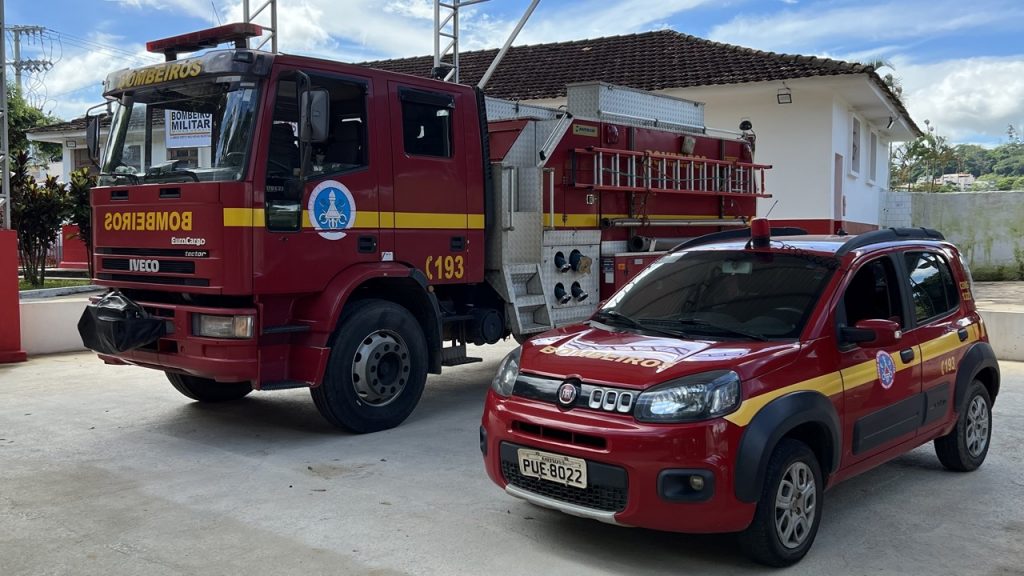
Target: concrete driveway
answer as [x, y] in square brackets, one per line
[108, 470]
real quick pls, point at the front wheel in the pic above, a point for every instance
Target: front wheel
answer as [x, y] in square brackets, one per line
[377, 368]
[965, 447]
[207, 390]
[789, 511]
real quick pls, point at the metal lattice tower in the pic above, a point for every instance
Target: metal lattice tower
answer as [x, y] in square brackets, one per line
[249, 16]
[5, 160]
[448, 28]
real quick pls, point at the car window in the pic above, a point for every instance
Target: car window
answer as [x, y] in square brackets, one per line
[932, 287]
[874, 294]
[427, 123]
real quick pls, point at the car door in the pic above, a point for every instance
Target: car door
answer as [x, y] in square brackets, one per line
[881, 384]
[938, 327]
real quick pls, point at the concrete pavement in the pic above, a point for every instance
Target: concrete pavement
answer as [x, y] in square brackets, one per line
[107, 470]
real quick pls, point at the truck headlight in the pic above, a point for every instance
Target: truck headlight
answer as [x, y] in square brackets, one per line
[508, 371]
[212, 326]
[694, 397]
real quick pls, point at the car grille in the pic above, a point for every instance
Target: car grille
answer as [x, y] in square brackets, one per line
[606, 485]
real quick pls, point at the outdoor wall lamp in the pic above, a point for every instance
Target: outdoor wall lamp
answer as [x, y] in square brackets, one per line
[785, 95]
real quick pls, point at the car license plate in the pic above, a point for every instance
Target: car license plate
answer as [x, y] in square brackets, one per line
[553, 467]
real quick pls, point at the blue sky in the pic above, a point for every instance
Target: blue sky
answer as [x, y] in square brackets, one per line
[961, 63]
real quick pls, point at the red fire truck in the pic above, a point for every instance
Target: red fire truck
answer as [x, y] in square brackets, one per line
[269, 221]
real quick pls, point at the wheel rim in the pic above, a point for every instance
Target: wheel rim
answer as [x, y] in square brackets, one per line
[795, 505]
[380, 368]
[977, 426]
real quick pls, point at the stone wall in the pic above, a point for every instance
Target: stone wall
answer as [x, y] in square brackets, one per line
[987, 226]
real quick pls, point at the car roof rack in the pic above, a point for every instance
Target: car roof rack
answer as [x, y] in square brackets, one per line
[888, 235]
[742, 233]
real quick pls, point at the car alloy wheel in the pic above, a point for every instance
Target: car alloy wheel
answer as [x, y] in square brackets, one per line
[795, 503]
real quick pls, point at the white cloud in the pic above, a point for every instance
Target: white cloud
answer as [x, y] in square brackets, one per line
[794, 30]
[971, 99]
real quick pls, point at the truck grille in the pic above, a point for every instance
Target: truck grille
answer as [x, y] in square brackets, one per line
[165, 280]
[168, 266]
[607, 486]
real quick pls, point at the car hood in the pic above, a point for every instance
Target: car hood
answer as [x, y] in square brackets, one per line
[631, 360]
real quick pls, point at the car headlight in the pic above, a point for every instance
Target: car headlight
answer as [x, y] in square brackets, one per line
[508, 371]
[694, 397]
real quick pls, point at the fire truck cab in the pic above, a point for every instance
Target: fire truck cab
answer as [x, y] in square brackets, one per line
[307, 223]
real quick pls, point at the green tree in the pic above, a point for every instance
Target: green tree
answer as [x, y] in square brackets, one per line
[22, 117]
[79, 211]
[37, 211]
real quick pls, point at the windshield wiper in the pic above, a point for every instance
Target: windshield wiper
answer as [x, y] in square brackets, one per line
[613, 317]
[714, 326]
[178, 172]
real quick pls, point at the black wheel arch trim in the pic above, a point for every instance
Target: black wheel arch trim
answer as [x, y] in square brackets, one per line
[980, 356]
[770, 425]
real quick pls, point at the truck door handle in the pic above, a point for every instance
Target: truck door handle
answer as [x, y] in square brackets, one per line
[907, 355]
[962, 334]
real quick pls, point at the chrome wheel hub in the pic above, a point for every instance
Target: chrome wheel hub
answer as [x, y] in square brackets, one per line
[977, 426]
[380, 368]
[795, 505]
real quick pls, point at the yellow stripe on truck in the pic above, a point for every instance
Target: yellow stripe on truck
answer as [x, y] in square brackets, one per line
[253, 217]
[855, 376]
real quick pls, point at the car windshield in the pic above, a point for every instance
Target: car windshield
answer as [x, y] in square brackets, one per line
[722, 295]
[185, 132]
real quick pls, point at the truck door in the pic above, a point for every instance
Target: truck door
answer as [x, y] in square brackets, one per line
[328, 221]
[881, 385]
[430, 183]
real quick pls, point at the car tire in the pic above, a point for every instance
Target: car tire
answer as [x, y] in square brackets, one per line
[965, 447]
[789, 510]
[376, 370]
[207, 390]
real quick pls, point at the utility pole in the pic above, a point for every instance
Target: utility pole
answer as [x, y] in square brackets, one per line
[5, 160]
[31, 65]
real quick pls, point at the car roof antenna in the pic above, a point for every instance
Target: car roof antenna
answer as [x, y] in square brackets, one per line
[774, 204]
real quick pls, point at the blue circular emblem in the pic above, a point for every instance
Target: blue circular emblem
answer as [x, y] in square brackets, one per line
[331, 209]
[886, 369]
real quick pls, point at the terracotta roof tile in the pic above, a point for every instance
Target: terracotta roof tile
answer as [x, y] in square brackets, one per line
[648, 61]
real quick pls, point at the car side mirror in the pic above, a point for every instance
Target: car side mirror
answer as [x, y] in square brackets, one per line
[876, 332]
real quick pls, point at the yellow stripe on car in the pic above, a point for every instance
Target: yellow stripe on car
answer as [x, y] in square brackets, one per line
[855, 376]
[254, 217]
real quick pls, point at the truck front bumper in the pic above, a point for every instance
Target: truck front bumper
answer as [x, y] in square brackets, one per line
[174, 347]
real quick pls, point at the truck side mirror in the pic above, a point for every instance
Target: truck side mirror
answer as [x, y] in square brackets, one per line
[92, 138]
[313, 120]
[877, 332]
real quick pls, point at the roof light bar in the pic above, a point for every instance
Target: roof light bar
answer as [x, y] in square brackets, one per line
[202, 39]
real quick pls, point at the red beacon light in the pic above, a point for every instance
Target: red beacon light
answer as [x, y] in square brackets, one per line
[202, 39]
[760, 233]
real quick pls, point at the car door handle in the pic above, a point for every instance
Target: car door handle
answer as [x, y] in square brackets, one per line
[907, 355]
[962, 334]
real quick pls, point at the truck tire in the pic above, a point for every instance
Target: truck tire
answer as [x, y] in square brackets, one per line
[965, 447]
[377, 368]
[206, 390]
[789, 510]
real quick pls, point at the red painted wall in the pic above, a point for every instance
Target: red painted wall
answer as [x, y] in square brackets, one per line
[10, 314]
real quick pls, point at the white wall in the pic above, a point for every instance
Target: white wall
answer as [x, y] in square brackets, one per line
[861, 191]
[793, 138]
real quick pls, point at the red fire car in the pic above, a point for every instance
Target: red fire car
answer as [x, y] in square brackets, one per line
[739, 376]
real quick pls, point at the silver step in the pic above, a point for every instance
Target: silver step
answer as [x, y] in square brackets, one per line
[529, 303]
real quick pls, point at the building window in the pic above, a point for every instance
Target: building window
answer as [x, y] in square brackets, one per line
[873, 158]
[855, 147]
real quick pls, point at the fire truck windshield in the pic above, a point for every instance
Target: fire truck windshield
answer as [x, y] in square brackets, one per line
[198, 131]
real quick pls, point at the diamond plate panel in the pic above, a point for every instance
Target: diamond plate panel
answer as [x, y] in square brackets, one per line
[602, 101]
[588, 242]
[498, 109]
